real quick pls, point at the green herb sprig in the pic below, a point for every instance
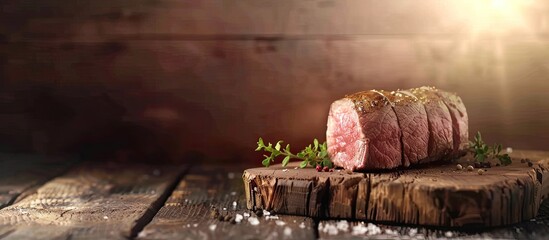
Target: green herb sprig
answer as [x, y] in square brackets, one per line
[481, 151]
[313, 155]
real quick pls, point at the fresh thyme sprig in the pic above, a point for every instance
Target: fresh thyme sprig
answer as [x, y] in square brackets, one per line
[313, 155]
[481, 151]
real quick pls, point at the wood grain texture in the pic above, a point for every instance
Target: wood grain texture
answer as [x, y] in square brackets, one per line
[536, 228]
[190, 19]
[183, 96]
[94, 201]
[186, 214]
[436, 195]
[20, 173]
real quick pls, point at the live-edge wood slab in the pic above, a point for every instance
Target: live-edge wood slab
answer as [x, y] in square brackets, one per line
[431, 195]
[186, 214]
[91, 201]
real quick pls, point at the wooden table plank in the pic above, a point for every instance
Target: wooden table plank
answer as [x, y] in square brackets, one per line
[537, 228]
[94, 200]
[186, 214]
[22, 172]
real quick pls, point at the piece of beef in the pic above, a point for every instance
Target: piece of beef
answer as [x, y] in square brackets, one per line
[439, 123]
[363, 132]
[412, 120]
[460, 121]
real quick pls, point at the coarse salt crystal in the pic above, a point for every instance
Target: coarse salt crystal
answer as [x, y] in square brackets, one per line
[448, 234]
[302, 225]
[246, 214]
[343, 225]
[253, 220]
[359, 229]
[266, 213]
[412, 232]
[234, 203]
[287, 231]
[285, 170]
[233, 193]
[238, 218]
[271, 217]
[280, 223]
[509, 150]
[213, 227]
[105, 217]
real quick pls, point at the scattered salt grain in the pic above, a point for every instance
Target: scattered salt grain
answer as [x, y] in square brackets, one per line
[255, 189]
[284, 170]
[391, 232]
[233, 193]
[238, 218]
[328, 228]
[509, 150]
[195, 224]
[271, 217]
[230, 175]
[448, 234]
[287, 231]
[105, 217]
[412, 232]
[343, 225]
[234, 204]
[359, 229]
[266, 213]
[280, 223]
[188, 225]
[213, 227]
[224, 209]
[246, 214]
[253, 220]
[296, 168]
[302, 225]
[373, 229]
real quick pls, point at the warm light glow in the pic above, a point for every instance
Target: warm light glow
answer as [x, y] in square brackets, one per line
[493, 16]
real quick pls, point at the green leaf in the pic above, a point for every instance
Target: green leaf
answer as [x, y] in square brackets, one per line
[288, 148]
[266, 162]
[505, 159]
[285, 161]
[277, 147]
[316, 144]
[327, 163]
[303, 164]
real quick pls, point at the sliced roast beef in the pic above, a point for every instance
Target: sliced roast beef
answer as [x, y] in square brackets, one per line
[382, 130]
[439, 123]
[460, 121]
[363, 132]
[412, 120]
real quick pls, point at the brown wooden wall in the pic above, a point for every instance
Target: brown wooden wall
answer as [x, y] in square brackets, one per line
[176, 78]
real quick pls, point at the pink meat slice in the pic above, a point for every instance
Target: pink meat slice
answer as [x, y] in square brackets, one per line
[439, 123]
[460, 121]
[412, 120]
[363, 132]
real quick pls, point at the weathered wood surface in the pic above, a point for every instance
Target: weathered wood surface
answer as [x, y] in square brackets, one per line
[437, 195]
[95, 201]
[186, 214]
[536, 228]
[22, 172]
[191, 18]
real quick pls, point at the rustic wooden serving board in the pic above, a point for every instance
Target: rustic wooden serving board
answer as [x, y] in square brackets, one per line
[433, 195]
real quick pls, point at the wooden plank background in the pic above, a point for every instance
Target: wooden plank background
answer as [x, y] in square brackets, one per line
[207, 78]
